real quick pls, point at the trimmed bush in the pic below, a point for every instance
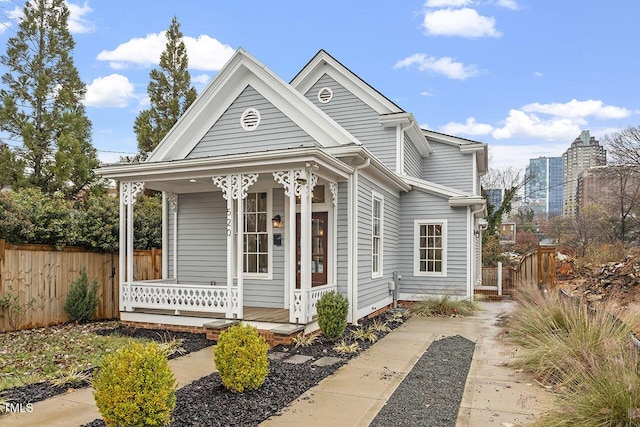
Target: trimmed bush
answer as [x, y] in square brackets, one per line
[135, 387]
[82, 298]
[332, 314]
[241, 358]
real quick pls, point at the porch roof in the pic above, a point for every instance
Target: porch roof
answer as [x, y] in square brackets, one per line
[178, 176]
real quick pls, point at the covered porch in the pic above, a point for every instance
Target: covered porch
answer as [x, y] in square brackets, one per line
[273, 217]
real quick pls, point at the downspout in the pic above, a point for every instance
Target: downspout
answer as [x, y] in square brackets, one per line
[472, 245]
[352, 221]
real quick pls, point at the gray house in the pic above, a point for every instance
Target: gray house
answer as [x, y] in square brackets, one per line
[275, 193]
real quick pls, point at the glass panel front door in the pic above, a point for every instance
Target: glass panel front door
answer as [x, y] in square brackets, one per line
[319, 227]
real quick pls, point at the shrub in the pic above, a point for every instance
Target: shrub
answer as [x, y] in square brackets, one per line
[332, 314]
[82, 298]
[241, 358]
[13, 308]
[135, 387]
[98, 224]
[444, 306]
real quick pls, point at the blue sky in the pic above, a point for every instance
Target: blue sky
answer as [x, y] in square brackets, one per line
[524, 76]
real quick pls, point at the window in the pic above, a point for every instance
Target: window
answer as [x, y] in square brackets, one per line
[376, 235]
[256, 234]
[430, 248]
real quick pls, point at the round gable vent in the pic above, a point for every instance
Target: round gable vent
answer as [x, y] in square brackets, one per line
[325, 95]
[250, 119]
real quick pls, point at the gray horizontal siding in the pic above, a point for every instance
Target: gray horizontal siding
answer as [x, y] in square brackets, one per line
[371, 291]
[276, 130]
[342, 238]
[448, 166]
[423, 206]
[357, 118]
[412, 159]
[202, 239]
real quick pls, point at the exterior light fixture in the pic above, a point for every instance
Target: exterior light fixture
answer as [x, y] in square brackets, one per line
[277, 221]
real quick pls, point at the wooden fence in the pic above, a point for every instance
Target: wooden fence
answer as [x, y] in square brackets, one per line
[536, 267]
[44, 273]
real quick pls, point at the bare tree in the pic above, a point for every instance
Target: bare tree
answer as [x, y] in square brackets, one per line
[509, 179]
[623, 147]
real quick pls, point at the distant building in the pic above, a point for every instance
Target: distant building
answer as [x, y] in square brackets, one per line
[606, 185]
[507, 233]
[543, 190]
[585, 152]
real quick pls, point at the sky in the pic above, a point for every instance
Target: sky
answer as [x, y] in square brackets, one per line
[524, 76]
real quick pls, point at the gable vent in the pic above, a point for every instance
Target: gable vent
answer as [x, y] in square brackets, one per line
[250, 119]
[325, 95]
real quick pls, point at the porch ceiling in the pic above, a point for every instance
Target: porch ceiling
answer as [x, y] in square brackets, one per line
[194, 175]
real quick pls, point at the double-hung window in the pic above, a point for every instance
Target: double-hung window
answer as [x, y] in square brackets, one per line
[256, 234]
[377, 219]
[430, 248]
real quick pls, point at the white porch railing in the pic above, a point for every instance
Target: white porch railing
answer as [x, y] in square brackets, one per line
[313, 295]
[171, 296]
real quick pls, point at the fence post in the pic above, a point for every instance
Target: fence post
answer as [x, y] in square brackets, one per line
[2, 248]
[500, 278]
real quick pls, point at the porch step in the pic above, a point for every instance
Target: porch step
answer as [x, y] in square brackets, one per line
[287, 329]
[220, 324]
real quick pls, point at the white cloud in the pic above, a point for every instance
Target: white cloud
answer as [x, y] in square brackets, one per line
[77, 21]
[445, 66]
[537, 74]
[447, 3]
[471, 127]
[425, 93]
[520, 124]
[201, 79]
[578, 109]
[464, 22]
[113, 90]
[204, 52]
[517, 156]
[16, 14]
[4, 26]
[509, 4]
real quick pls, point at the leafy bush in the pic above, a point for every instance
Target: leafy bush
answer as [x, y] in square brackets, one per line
[135, 387]
[332, 314]
[241, 358]
[82, 298]
[98, 224]
[147, 222]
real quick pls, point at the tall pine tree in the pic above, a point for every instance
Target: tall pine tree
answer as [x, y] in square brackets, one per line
[170, 93]
[41, 103]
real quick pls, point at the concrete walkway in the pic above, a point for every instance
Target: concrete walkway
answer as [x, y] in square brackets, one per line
[494, 394]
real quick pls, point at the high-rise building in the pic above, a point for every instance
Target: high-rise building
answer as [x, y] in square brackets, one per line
[495, 196]
[544, 185]
[585, 152]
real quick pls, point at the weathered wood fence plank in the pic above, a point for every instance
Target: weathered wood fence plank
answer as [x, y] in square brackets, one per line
[44, 273]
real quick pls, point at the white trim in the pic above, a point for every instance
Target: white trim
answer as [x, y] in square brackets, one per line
[470, 240]
[416, 245]
[325, 100]
[165, 237]
[380, 198]
[374, 307]
[250, 126]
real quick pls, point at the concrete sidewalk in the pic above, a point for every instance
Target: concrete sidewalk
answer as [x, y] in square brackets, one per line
[494, 395]
[78, 407]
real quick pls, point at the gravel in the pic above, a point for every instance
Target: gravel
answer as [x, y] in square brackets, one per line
[431, 393]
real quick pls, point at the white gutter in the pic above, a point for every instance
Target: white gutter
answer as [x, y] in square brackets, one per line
[471, 265]
[352, 241]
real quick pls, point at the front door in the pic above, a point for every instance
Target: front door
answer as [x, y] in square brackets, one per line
[319, 228]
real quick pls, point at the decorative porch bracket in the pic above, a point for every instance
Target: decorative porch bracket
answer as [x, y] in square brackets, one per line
[234, 187]
[129, 192]
[298, 183]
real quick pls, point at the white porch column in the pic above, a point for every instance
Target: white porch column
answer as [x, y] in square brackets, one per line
[226, 183]
[129, 192]
[239, 193]
[165, 237]
[334, 253]
[172, 199]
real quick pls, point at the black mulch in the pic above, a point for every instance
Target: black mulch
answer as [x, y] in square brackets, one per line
[206, 402]
[36, 392]
[431, 393]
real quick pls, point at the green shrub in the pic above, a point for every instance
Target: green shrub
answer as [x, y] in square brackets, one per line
[332, 314]
[444, 306]
[135, 387]
[241, 358]
[82, 298]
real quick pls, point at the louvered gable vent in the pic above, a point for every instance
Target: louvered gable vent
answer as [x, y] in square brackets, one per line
[250, 119]
[325, 95]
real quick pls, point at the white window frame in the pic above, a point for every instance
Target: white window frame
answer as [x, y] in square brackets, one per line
[416, 247]
[269, 274]
[380, 199]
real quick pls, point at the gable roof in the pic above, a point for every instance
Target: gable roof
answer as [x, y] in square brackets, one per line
[465, 145]
[240, 71]
[390, 113]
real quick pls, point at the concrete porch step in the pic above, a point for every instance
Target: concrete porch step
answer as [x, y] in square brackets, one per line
[220, 324]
